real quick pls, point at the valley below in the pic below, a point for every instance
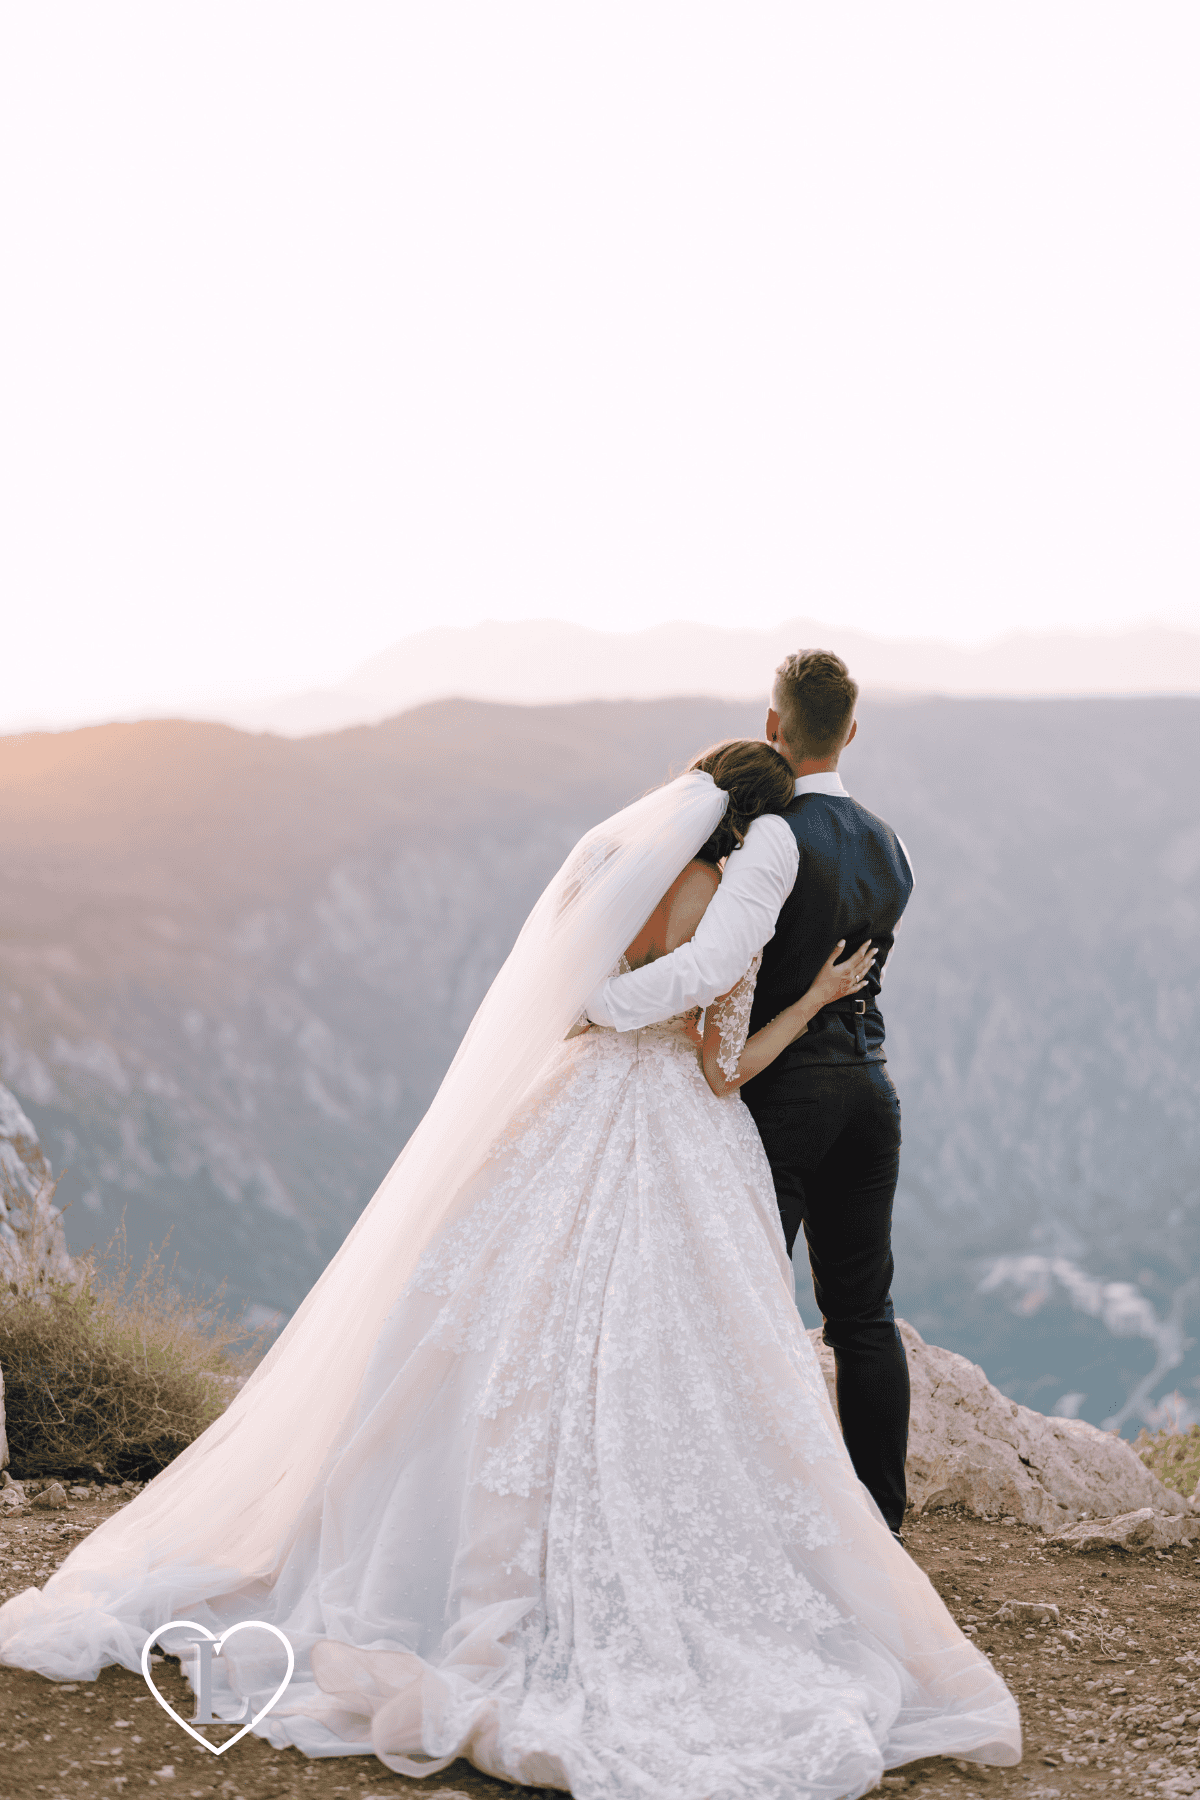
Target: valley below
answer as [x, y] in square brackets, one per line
[233, 969]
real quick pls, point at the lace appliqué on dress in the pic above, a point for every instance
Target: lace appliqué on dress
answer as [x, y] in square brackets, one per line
[731, 1016]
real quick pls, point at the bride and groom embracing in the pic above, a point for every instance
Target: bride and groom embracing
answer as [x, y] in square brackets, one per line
[543, 1472]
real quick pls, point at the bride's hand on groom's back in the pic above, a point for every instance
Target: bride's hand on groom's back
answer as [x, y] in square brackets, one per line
[839, 979]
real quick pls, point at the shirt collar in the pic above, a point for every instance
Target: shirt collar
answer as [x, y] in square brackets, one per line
[830, 782]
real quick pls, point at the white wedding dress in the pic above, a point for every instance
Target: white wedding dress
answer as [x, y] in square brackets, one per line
[590, 1521]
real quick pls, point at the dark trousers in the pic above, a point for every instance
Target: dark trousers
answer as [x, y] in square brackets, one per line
[832, 1137]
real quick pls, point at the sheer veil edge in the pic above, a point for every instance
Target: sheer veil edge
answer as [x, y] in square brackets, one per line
[232, 1499]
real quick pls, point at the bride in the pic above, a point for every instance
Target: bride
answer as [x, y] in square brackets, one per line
[543, 1472]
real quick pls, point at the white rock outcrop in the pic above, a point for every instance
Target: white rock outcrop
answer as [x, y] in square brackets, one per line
[970, 1446]
[1144, 1529]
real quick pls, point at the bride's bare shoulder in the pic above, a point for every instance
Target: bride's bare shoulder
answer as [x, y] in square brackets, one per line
[706, 871]
[693, 890]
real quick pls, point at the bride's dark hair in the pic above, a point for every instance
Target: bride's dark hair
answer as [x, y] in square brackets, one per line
[757, 780]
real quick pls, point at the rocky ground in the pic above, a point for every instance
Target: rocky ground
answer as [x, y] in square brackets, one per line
[1109, 1683]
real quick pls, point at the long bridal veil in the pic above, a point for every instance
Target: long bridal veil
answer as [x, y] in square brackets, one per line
[230, 1505]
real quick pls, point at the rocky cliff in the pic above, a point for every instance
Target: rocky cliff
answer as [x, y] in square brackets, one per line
[33, 1248]
[971, 1446]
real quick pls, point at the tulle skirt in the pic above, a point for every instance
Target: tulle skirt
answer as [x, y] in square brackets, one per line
[590, 1522]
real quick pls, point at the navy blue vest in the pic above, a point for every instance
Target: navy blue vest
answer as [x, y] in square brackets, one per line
[853, 882]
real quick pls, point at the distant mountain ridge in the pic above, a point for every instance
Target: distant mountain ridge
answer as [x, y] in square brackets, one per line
[548, 662]
[233, 969]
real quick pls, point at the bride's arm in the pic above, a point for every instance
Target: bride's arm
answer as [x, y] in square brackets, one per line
[834, 982]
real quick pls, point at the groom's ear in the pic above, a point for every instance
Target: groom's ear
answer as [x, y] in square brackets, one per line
[772, 727]
[851, 732]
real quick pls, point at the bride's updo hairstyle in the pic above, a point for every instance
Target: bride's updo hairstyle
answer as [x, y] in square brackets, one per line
[757, 780]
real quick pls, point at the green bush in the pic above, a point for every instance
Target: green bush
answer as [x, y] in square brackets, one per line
[112, 1378]
[1174, 1456]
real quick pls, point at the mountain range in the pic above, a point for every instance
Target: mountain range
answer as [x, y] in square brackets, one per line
[233, 968]
[545, 661]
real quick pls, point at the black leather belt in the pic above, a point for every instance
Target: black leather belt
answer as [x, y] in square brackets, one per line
[854, 1006]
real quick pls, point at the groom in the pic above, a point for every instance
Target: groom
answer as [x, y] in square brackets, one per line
[826, 1109]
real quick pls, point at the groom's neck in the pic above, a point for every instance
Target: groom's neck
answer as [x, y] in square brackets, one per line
[812, 765]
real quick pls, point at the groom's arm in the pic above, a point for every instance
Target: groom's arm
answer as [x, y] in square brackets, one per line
[740, 919]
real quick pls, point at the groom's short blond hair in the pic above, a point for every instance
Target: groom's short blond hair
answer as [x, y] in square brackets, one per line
[814, 696]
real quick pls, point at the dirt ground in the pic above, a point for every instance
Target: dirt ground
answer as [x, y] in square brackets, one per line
[1109, 1691]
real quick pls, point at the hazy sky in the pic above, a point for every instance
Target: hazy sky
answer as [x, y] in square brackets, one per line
[323, 323]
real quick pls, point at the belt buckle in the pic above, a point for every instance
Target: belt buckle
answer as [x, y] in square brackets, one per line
[860, 1006]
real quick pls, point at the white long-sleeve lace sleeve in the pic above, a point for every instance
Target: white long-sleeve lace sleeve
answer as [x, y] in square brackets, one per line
[731, 1016]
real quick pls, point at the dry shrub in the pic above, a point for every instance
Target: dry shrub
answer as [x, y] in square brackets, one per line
[1174, 1456]
[112, 1378]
